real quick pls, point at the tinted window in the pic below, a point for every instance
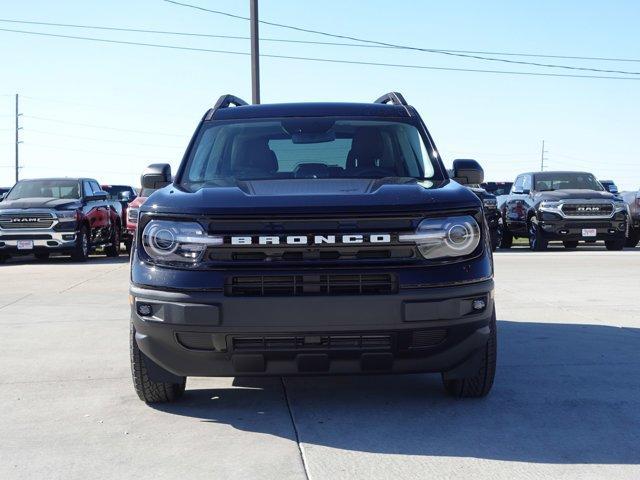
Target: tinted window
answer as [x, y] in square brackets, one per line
[306, 148]
[67, 189]
[566, 181]
[88, 191]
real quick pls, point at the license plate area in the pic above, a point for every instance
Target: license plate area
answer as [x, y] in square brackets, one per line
[25, 244]
[589, 232]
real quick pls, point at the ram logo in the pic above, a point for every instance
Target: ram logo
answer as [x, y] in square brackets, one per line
[588, 209]
[25, 220]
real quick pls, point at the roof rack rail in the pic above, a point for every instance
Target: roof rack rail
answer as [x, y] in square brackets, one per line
[393, 97]
[226, 101]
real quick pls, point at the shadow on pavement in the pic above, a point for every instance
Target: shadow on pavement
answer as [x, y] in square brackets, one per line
[564, 393]
[97, 259]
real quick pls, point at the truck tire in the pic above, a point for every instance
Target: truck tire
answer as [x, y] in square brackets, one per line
[570, 244]
[480, 384]
[615, 244]
[537, 242]
[113, 250]
[633, 238]
[127, 245]
[81, 250]
[149, 391]
[506, 239]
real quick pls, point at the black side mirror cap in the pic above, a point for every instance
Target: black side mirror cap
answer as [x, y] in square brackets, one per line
[467, 172]
[157, 175]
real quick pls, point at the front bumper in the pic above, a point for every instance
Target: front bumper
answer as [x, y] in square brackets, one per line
[43, 240]
[574, 229]
[209, 334]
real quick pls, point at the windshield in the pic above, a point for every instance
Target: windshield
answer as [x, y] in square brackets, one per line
[498, 188]
[312, 148]
[566, 181]
[66, 189]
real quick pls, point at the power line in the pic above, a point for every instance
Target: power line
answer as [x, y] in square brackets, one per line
[104, 140]
[324, 60]
[101, 126]
[312, 42]
[111, 154]
[404, 47]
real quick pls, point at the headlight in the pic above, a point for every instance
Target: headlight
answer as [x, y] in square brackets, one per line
[132, 215]
[66, 215]
[445, 237]
[176, 242]
[490, 203]
[554, 207]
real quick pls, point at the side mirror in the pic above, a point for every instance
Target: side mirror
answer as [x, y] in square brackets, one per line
[99, 195]
[124, 196]
[156, 176]
[467, 172]
[526, 191]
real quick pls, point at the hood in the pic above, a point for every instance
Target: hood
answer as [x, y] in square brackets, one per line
[315, 196]
[46, 202]
[556, 195]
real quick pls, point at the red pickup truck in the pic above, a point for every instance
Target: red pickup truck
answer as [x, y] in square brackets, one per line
[132, 215]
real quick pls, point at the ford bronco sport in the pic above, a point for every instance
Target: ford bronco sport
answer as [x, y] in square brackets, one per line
[311, 238]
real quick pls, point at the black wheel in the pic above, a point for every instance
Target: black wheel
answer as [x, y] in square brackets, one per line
[537, 241]
[81, 250]
[570, 244]
[127, 245]
[148, 390]
[479, 384]
[506, 238]
[113, 250]
[615, 244]
[41, 255]
[633, 238]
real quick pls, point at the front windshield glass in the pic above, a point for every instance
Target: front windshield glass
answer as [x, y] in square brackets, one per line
[566, 181]
[65, 189]
[311, 148]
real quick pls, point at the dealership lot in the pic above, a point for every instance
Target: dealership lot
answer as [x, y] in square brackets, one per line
[566, 403]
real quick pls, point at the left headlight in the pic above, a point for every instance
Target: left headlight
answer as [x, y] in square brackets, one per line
[168, 241]
[445, 237]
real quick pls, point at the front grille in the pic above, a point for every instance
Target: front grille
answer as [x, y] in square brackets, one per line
[292, 254]
[17, 221]
[300, 285]
[312, 342]
[428, 338]
[587, 209]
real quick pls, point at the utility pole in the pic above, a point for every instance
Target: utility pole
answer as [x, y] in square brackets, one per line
[542, 157]
[255, 53]
[18, 142]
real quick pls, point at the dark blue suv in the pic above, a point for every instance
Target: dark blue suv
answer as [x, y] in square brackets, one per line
[312, 238]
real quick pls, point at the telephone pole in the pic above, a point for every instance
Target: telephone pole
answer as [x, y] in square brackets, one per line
[18, 142]
[255, 53]
[542, 157]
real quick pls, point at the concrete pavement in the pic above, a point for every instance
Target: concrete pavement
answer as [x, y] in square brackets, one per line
[566, 402]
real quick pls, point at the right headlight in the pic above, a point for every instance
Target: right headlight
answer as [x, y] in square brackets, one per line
[175, 242]
[445, 237]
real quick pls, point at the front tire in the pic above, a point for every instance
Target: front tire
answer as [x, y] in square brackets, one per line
[478, 385]
[149, 391]
[615, 244]
[506, 239]
[81, 250]
[633, 239]
[113, 250]
[537, 242]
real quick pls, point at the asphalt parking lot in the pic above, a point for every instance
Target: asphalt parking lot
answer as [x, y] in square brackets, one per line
[566, 402]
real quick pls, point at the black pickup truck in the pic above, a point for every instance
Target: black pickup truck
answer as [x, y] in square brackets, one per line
[311, 238]
[69, 216]
[563, 206]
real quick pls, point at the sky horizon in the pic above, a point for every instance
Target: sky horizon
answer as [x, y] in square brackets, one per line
[107, 110]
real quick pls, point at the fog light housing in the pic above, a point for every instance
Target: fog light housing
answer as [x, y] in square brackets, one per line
[144, 309]
[479, 304]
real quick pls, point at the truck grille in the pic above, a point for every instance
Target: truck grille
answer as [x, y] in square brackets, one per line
[310, 226]
[587, 209]
[311, 342]
[17, 221]
[300, 285]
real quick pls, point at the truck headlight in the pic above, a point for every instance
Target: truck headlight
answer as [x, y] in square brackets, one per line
[490, 203]
[168, 241]
[132, 215]
[66, 215]
[553, 207]
[445, 237]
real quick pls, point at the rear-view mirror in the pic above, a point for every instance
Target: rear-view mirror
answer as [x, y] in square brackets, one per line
[467, 172]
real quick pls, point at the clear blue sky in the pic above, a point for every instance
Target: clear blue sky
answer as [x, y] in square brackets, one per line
[500, 120]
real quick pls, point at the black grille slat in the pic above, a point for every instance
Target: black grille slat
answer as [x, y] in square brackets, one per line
[428, 338]
[298, 285]
[312, 342]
